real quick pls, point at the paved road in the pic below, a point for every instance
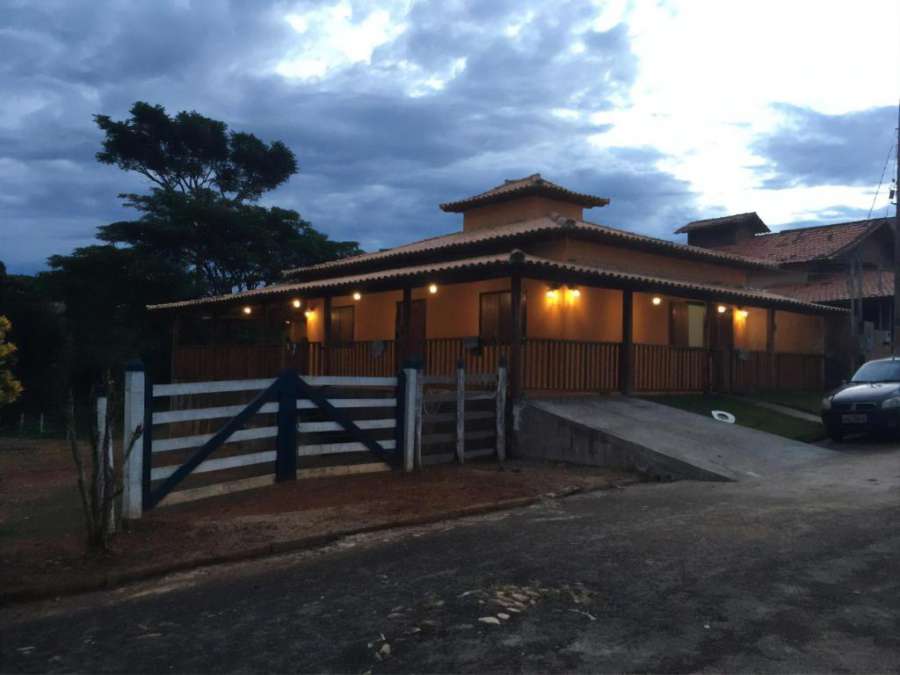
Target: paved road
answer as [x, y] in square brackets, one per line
[795, 574]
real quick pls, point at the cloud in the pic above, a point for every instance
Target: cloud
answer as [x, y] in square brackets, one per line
[438, 101]
[810, 148]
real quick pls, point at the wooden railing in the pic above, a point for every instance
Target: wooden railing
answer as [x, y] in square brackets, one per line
[547, 365]
[665, 368]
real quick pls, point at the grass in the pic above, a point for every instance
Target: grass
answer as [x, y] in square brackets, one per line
[807, 401]
[746, 414]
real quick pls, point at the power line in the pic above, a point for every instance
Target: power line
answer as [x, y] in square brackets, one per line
[880, 180]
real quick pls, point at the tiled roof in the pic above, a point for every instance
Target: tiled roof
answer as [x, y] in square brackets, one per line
[520, 187]
[835, 287]
[807, 243]
[502, 264]
[516, 232]
[725, 221]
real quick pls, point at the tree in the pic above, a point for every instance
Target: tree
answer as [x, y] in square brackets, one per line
[201, 211]
[10, 387]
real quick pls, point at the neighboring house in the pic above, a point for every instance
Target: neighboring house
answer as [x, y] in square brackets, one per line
[572, 305]
[830, 264]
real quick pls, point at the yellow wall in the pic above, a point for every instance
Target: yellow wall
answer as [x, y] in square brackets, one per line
[750, 332]
[639, 262]
[651, 322]
[525, 208]
[595, 315]
[799, 333]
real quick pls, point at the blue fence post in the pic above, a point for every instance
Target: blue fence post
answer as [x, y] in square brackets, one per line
[147, 441]
[134, 412]
[286, 446]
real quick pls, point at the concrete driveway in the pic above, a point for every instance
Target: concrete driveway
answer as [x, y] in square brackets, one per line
[794, 573]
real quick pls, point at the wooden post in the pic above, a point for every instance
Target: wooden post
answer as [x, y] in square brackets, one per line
[771, 327]
[104, 458]
[708, 338]
[410, 389]
[405, 324]
[326, 336]
[132, 488]
[286, 442]
[460, 411]
[515, 349]
[173, 360]
[501, 412]
[420, 411]
[626, 358]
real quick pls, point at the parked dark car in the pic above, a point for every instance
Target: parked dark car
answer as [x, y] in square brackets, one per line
[869, 402]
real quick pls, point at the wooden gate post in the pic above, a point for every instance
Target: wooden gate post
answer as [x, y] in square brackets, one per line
[460, 411]
[133, 474]
[104, 458]
[286, 442]
[501, 411]
[626, 357]
[410, 389]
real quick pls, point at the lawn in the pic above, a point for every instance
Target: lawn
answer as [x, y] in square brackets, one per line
[746, 414]
[807, 401]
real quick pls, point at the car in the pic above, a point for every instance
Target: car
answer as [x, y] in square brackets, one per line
[869, 402]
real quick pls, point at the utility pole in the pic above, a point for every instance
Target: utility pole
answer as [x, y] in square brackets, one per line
[895, 342]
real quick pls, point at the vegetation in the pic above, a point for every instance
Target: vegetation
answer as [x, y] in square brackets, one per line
[746, 414]
[10, 387]
[198, 230]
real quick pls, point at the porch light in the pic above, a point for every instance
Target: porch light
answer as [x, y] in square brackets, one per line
[553, 294]
[575, 292]
[357, 296]
[721, 309]
[432, 288]
[656, 300]
[742, 314]
[297, 303]
[247, 309]
[309, 314]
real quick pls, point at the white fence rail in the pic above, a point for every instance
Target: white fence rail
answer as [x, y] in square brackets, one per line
[182, 417]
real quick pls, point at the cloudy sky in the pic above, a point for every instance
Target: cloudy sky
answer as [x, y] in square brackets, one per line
[673, 109]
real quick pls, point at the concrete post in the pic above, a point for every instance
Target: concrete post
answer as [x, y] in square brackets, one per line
[132, 488]
[411, 386]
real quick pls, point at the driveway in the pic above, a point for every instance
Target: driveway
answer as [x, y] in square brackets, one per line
[797, 572]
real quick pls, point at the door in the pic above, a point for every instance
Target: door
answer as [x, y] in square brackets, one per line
[415, 348]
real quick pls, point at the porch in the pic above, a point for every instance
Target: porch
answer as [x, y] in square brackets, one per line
[578, 329]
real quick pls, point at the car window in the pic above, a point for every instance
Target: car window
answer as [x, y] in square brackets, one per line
[878, 371]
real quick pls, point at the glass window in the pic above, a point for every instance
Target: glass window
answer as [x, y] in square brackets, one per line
[879, 371]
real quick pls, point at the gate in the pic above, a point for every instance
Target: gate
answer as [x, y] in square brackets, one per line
[321, 426]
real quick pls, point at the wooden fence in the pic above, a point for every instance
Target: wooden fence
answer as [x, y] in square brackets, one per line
[546, 365]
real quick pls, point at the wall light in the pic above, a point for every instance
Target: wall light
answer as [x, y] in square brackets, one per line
[357, 296]
[297, 303]
[575, 292]
[247, 309]
[656, 300]
[552, 294]
[432, 288]
[721, 309]
[310, 314]
[742, 314]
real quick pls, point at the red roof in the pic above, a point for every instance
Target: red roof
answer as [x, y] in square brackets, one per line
[805, 244]
[836, 287]
[502, 264]
[514, 233]
[521, 187]
[751, 219]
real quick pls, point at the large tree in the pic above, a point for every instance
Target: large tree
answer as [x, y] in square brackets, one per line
[201, 211]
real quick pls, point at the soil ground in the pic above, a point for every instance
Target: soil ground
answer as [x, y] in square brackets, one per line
[41, 528]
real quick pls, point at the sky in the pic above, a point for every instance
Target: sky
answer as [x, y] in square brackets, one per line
[675, 110]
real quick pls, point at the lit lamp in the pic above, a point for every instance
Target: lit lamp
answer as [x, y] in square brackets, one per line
[357, 296]
[656, 300]
[309, 314]
[721, 309]
[247, 309]
[742, 314]
[553, 294]
[432, 288]
[297, 303]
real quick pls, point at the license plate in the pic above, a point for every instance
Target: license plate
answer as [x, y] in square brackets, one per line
[854, 419]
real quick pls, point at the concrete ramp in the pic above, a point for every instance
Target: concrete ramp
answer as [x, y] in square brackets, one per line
[659, 440]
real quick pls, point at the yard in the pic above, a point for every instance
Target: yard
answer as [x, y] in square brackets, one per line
[41, 540]
[749, 415]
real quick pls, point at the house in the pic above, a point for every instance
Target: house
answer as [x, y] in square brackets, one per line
[574, 306]
[842, 264]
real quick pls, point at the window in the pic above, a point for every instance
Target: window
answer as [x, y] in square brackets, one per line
[495, 317]
[342, 325]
